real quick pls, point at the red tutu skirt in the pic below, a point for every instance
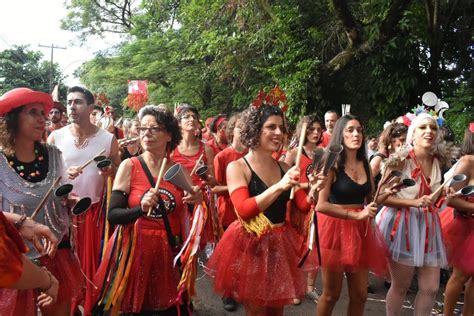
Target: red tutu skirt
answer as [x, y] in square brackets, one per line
[458, 235]
[260, 271]
[65, 267]
[153, 281]
[345, 248]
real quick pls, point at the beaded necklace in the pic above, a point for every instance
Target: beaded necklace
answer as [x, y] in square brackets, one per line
[30, 171]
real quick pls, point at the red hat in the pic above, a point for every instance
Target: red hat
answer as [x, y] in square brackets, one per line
[22, 96]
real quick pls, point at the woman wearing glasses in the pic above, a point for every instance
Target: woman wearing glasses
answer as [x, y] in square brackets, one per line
[150, 285]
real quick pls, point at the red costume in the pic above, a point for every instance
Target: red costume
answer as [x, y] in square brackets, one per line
[11, 249]
[152, 281]
[458, 235]
[225, 208]
[189, 161]
[325, 139]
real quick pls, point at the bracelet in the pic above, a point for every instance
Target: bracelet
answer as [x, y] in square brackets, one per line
[50, 281]
[20, 222]
[347, 214]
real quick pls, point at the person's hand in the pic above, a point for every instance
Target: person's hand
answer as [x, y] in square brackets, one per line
[368, 212]
[291, 178]
[193, 197]
[210, 181]
[149, 200]
[73, 172]
[50, 294]
[40, 236]
[71, 200]
[318, 181]
[423, 201]
[106, 171]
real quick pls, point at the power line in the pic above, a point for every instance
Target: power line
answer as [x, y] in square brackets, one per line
[51, 64]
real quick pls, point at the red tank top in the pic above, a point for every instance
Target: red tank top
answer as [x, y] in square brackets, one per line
[189, 161]
[171, 195]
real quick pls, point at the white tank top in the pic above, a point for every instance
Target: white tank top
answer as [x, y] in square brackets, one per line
[89, 183]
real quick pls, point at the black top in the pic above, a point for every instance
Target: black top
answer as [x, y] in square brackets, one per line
[34, 171]
[346, 191]
[277, 211]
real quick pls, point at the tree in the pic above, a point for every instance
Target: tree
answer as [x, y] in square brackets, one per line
[380, 56]
[21, 67]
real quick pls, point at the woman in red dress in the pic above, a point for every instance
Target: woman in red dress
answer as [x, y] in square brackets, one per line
[146, 274]
[258, 249]
[345, 248]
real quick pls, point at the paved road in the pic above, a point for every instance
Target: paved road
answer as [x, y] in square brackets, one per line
[209, 304]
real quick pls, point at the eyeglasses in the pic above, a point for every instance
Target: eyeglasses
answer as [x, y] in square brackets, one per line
[155, 130]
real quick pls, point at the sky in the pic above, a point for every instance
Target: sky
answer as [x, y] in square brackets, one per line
[35, 22]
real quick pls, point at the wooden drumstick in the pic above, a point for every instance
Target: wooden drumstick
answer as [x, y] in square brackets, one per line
[45, 197]
[196, 165]
[298, 153]
[91, 160]
[158, 180]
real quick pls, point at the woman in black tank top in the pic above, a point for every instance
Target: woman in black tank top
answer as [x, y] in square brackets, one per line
[345, 247]
[256, 259]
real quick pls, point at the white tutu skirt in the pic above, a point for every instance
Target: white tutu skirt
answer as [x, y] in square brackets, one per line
[413, 236]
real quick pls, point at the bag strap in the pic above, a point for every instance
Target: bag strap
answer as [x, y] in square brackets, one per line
[161, 206]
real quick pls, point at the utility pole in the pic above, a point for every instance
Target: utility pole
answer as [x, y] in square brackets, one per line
[51, 64]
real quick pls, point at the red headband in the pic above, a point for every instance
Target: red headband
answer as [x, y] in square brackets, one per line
[471, 127]
[219, 121]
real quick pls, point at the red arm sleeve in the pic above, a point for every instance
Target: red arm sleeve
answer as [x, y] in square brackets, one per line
[11, 246]
[245, 205]
[301, 201]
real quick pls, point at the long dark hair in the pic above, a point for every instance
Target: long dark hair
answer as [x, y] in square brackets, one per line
[338, 138]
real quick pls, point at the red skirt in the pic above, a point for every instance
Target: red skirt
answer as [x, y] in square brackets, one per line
[65, 267]
[260, 271]
[153, 281]
[345, 248]
[458, 235]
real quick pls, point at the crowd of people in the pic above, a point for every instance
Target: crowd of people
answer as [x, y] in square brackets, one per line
[102, 215]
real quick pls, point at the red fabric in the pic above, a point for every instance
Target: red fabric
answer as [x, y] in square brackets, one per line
[325, 139]
[21, 96]
[261, 271]
[245, 205]
[11, 249]
[301, 202]
[216, 148]
[225, 207]
[65, 267]
[87, 235]
[153, 281]
[189, 161]
[458, 235]
[344, 246]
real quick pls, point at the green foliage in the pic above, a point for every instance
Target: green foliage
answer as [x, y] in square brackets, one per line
[218, 54]
[21, 67]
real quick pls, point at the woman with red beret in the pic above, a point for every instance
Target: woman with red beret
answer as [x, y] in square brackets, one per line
[28, 168]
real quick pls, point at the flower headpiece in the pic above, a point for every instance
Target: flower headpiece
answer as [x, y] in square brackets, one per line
[430, 105]
[276, 97]
[109, 111]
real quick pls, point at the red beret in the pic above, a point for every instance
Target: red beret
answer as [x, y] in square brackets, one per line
[22, 96]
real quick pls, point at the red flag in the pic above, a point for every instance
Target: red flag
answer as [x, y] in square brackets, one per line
[137, 94]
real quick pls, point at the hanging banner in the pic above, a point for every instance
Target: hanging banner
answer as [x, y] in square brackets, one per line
[137, 94]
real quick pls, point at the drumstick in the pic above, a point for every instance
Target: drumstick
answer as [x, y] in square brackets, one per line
[197, 164]
[45, 197]
[438, 190]
[158, 180]
[298, 153]
[377, 193]
[91, 160]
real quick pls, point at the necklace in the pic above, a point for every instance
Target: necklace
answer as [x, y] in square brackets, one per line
[82, 143]
[30, 171]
